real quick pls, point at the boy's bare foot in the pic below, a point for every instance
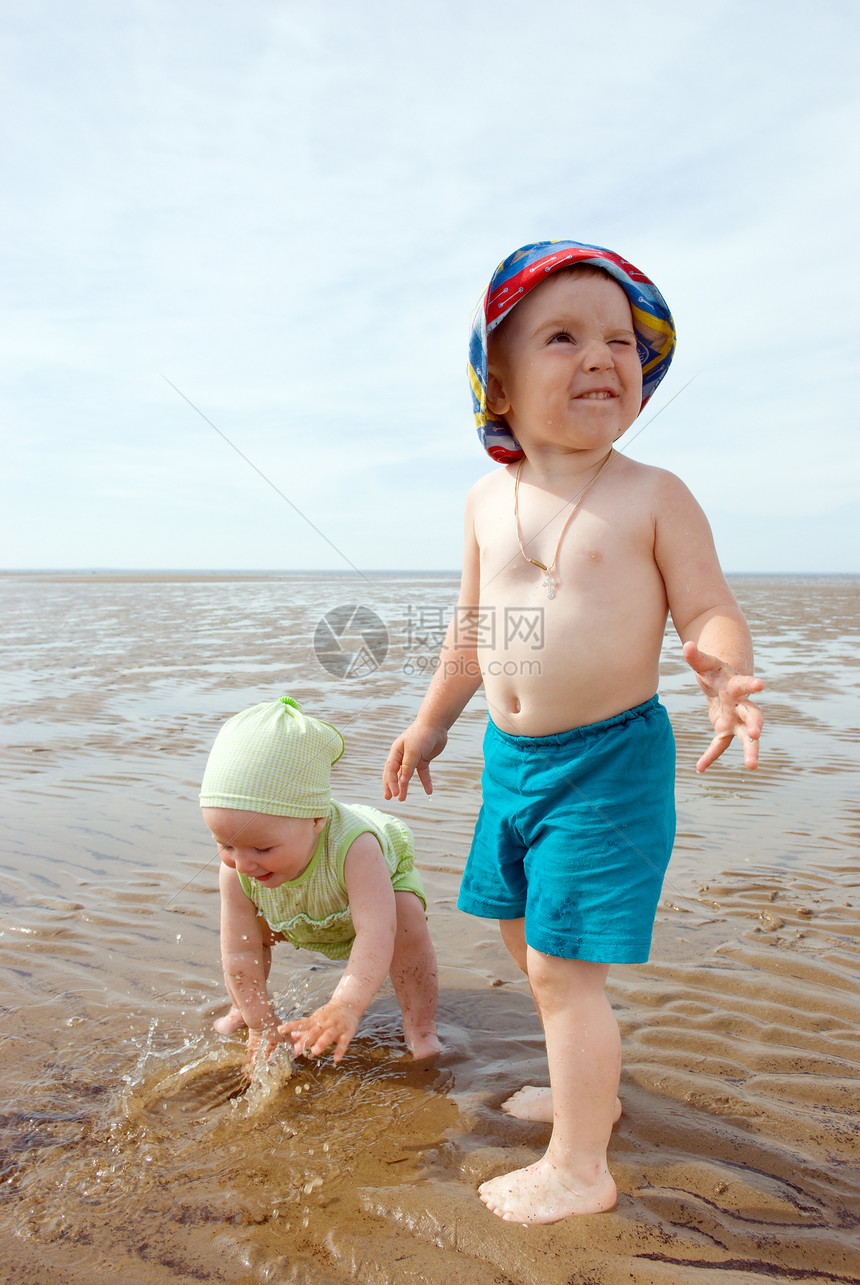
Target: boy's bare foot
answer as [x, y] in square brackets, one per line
[228, 1025]
[534, 1103]
[539, 1194]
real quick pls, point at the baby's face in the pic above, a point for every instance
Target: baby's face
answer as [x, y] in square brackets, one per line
[564, 370]
[272, 850]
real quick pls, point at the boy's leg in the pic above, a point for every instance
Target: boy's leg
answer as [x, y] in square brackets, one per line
[415, 977]
[531, 1102]
[514, 936]
[234, 1021]
[584, 1053]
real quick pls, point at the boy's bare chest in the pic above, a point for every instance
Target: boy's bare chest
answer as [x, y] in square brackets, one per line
[593, 550]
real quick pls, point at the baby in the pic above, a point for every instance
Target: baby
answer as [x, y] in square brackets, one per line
[298, 866]
[574, 556]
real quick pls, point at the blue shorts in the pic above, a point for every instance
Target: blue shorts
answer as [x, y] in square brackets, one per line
[575, 834]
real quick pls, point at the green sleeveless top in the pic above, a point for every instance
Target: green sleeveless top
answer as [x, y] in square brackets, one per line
[313, 911]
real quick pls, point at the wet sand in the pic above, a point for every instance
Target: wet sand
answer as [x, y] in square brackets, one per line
[127, 1149]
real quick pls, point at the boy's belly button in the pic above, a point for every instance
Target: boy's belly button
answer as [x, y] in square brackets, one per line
[515, 705]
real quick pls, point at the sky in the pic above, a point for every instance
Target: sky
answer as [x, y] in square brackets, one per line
[242, 243]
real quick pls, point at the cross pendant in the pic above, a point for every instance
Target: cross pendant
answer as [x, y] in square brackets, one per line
[549, 584]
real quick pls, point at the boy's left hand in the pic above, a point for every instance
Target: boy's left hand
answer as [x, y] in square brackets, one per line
[332, 1024]
[729, 708]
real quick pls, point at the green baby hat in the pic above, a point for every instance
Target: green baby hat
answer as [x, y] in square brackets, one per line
[272, 758]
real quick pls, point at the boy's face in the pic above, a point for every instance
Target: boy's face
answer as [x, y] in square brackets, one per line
[564, 370]
[272, 850]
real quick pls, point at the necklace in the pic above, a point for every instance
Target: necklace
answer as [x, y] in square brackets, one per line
[548, 582]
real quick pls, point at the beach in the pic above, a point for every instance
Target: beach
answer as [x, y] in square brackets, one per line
[127, 1147]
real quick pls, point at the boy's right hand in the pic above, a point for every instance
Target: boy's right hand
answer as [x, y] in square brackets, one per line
[410, 753]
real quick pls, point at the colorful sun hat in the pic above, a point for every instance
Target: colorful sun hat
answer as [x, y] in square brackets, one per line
[272, 758]
[520, 273]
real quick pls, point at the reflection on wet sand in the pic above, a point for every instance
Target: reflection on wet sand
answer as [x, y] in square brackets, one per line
[130, 1146]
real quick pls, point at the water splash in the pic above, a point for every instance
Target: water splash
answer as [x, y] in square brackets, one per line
[268, 1077]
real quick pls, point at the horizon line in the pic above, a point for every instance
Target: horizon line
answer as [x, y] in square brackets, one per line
[314, 571]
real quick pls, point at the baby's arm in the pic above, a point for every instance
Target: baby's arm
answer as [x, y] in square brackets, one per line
[374, 917]
[457, 678]
[710, 624]
[243, 961]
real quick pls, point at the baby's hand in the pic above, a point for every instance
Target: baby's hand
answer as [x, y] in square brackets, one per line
[332, 1024]
[262, 1043]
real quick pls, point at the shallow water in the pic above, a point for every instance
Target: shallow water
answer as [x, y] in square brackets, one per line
[127, 1144]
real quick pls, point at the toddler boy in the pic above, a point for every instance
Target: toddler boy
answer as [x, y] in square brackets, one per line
[577, 822]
